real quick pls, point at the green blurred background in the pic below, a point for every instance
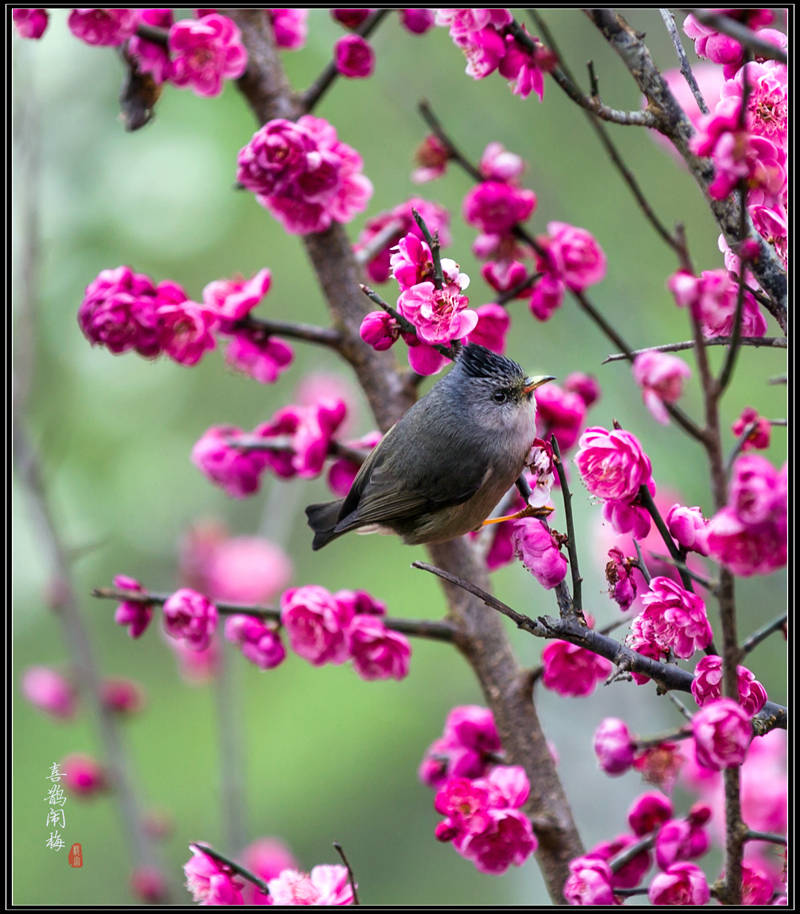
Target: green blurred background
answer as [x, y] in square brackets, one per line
[328, 757]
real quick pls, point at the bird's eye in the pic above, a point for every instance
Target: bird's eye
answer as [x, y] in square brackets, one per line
[499, 396]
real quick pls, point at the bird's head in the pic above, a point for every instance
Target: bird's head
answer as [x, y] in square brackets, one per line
[494, 381]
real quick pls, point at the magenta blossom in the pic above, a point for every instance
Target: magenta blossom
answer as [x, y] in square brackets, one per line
[572, 255]
[289, 27]
[30, 23]
[541, 462]
[245, 569]
[107, 27]
[525, 69]
[377, 651]
[589, 882]
[149, 885]
[49, 691]
[205, 52]
[150, 57]
[712, 297]
[492, 327]
[316, 624]
[706, 685]
[123, 696]
[621, 582]
[505, 275]
[351, 18]
[431, 158]
[767, 113]
[614, 746]
[660, 764]
[758, 438]
[360, 602]
[379, 330]
[661, 378]
[267, 858]
[190, 617]
[133, 614]
[259, 642]
[539, 551]
[422, 358]
[233, 299]
[498, 164]
[689, 528]
[354, 57]
[673, 618]
[649, 812]
[411, 261]
[186, 331]
[417, 21]
[210, 881]
[571, 670]
[559, 412]
[439, 315]
[236, 470]
[467, 748]
[584, 385]
[326, 884]
[629, 875]
[722, 732]
[547, 296]
[681, 884]
[612, 464]
[83, 776]
[257, 354]
[496, 207]
[310, 430]
[680, 839]
[342, 471]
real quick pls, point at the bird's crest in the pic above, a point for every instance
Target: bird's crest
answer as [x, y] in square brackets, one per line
[480, 362]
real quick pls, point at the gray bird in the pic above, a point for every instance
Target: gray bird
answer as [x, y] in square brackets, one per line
[441, 469]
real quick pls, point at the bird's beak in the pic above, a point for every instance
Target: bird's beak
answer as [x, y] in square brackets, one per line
[532, 383]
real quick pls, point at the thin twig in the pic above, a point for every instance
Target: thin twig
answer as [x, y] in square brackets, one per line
[433, 244]
[325, 80]
[350, 876]
[776, 342]
[233, 865]
[324, 336]
[651, 741]
[647, 502]
[741, 441]
[686, 70]
[708, 583]
[521, 286]
[454, 152]
[571, 544]
[764, 632]
[732, 352]
[739, 32]
[641, 564]
[625, 857]
[684, 711]
[766, 836]
[390, 233]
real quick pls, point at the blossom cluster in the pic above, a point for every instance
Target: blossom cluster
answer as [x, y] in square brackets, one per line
[212, 882]
[296, 443]
[750, 144]
[480, 797]
[488, 42]
[573, 671]
[749, 535]
[712, 298]
[125, 311]
[304, 174]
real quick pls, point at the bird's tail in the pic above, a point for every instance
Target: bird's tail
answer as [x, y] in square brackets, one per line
[322, 520]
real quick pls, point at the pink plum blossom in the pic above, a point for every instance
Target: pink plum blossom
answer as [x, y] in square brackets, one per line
[150, 57]
[254, 352]
[688, 527]
[83, 776]
[496, 207]
[707, 685]
[621, 582]
[571, 670]
[342, 471]
[505, 275]
[431, 158]
[498, 164]
[722, 732]
[525, 69]
[712, 297]
[122, 696]
[205, 52]
[648, 812]
[584, 385]
[661, 378]
[572, 255]
[630, 875]
[660, 764]
[326, 884]
[351, 18]
[30, 23]
[359, 602]
[439, 315]
[259, 642]
[354, 57]
[211, 882]
[589, 882]
[614, 746]
[547, 296]
[236, 470]
[539, 551]
[267, 858]
[466, 749]
[681, 839]
[133, 614]
[559, 412]
[49, 691]
[379, 330]
[233, 299]
[107, 27]
[759, 437]
[417, 21]
[186, 331]
[190, 617]
[767, 98]
[377, 651]
[149, 885]
[673, 618]
[411, 261]
[316, 624]
[422, 358]
[681, 884]
[492, 327]
[289, 27]
[612, 464]
[757, 887]
[310, 430]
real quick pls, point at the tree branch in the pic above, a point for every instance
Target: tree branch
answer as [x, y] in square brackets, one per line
[324, 336]
[775, 342]
[741, 33]
[686, 70]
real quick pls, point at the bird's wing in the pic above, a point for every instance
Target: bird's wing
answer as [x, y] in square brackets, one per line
[386, 490]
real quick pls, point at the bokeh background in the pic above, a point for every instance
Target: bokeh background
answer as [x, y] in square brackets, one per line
[327, 756]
